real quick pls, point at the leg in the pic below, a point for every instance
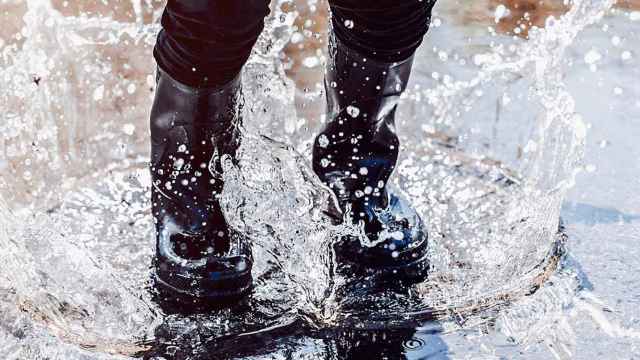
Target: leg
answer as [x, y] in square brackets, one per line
[384, 30]
[206, 42]
[371, 52]
[194, 122]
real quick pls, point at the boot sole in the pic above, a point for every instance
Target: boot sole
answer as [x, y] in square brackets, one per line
[200, 293]
[405, 274]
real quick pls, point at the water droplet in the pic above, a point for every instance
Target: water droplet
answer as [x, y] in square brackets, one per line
[98, 93]
[297, 37]
[363, 171]
[241, 266]
[615, 40]
[592, 56]
[128, 129]
[311, 62]
[353, 111]
[168, 185]
[323, 141]
[131, 88]
[349, 24]
[182, 148]
[178, 164]
[501, 12]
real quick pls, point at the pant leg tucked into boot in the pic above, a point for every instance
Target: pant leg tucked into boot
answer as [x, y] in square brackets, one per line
[201, 50]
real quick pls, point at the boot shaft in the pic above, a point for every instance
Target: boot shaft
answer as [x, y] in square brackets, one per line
[353, 79]
[198, 257]
[179, 109]
[355, 155]
[356, 152]
[191, 130]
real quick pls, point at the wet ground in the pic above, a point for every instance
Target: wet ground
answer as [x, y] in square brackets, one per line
[77, 248]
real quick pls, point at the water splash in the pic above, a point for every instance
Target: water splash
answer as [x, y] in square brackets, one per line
[77, 247]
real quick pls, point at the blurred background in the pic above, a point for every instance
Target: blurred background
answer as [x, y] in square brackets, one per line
[86, 66]
[304, 54]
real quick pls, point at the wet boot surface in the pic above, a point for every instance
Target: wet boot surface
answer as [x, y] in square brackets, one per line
[200, 261]
[355, 155]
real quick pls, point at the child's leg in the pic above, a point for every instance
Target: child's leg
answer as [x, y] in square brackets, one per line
[386, 30]
[206, 42]
[370, 57]
[194, 122]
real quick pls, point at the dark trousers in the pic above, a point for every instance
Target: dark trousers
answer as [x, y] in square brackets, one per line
[206, 42]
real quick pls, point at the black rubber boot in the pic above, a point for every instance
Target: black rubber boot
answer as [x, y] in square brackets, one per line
[199, 258]
[355, 155]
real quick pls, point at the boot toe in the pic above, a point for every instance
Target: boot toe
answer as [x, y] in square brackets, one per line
[398, 250]
[211, 279]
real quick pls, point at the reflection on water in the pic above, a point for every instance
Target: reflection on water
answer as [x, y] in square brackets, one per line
[487, 158]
